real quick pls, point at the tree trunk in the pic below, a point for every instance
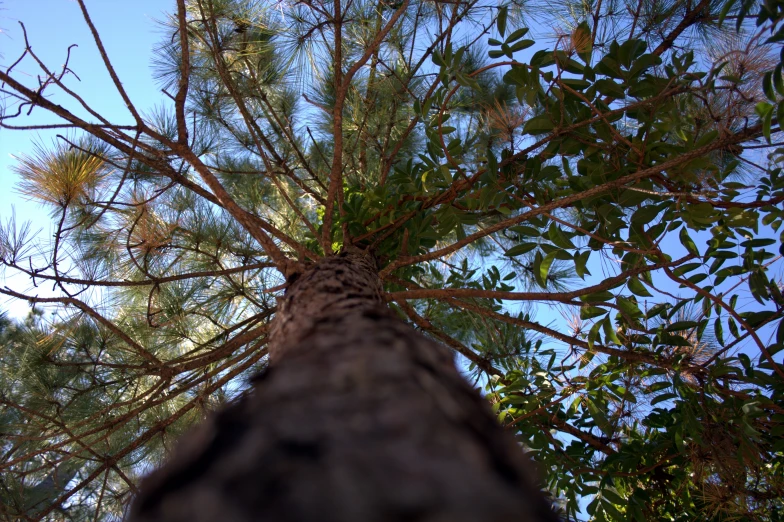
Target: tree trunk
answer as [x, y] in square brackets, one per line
[359, 419]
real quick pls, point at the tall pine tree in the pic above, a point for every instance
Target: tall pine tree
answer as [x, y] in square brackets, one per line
[580, 199]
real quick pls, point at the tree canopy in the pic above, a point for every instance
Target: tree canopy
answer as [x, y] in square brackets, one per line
[582, 199]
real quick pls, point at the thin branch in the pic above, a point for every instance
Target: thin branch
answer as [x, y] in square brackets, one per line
[109, 68]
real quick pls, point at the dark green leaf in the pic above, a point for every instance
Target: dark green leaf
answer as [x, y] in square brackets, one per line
[637, 288]
[501, 21]
[517, 34]
[558, 237]
[539, 125]
[520, 249]
[589, 312]
[687, 242]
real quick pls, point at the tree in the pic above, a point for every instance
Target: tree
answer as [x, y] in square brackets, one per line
[620, 167]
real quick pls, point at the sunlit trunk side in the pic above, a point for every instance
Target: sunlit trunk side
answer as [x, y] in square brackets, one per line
[359, 418]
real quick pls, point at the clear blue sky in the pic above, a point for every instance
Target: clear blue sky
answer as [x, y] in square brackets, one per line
[130, 34]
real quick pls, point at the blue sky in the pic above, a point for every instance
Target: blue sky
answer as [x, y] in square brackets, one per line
[130, 34]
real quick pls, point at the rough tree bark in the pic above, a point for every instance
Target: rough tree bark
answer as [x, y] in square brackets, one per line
[359, 418]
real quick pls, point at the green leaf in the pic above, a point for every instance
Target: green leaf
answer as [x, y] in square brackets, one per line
[599, 417]
[613, 497]
[538, 125]
[656, 310]
[583, 42]
[678, 436]
[757, 243]
[663, 397]
[580, 262]
[646, 214]
[492, 166]
[765, 112]
[687, 242]
[610, 88]
[678, 326]
[767, 86]
[706, 139]
[733, 328]
[543, 269]
[780, 333]
[593, 337]
[577, 85]
[643, 63]
[718, 331]
[520, 249]
[609, 331]
[501, 21]
[558, 237]
[688, 267]
[597, 297]
[522, 44]
[613, 512]
[637, 288]
[628, 307]
[517, 34]
[657, 386]
[589, 312]
[525, 230]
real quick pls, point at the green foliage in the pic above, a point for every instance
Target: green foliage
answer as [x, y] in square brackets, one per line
[591, 222]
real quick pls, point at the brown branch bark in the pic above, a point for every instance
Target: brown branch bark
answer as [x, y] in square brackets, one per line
[563, 297]
[690, 19]
[462, 349]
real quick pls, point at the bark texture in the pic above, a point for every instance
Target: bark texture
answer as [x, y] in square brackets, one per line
[359, 418]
